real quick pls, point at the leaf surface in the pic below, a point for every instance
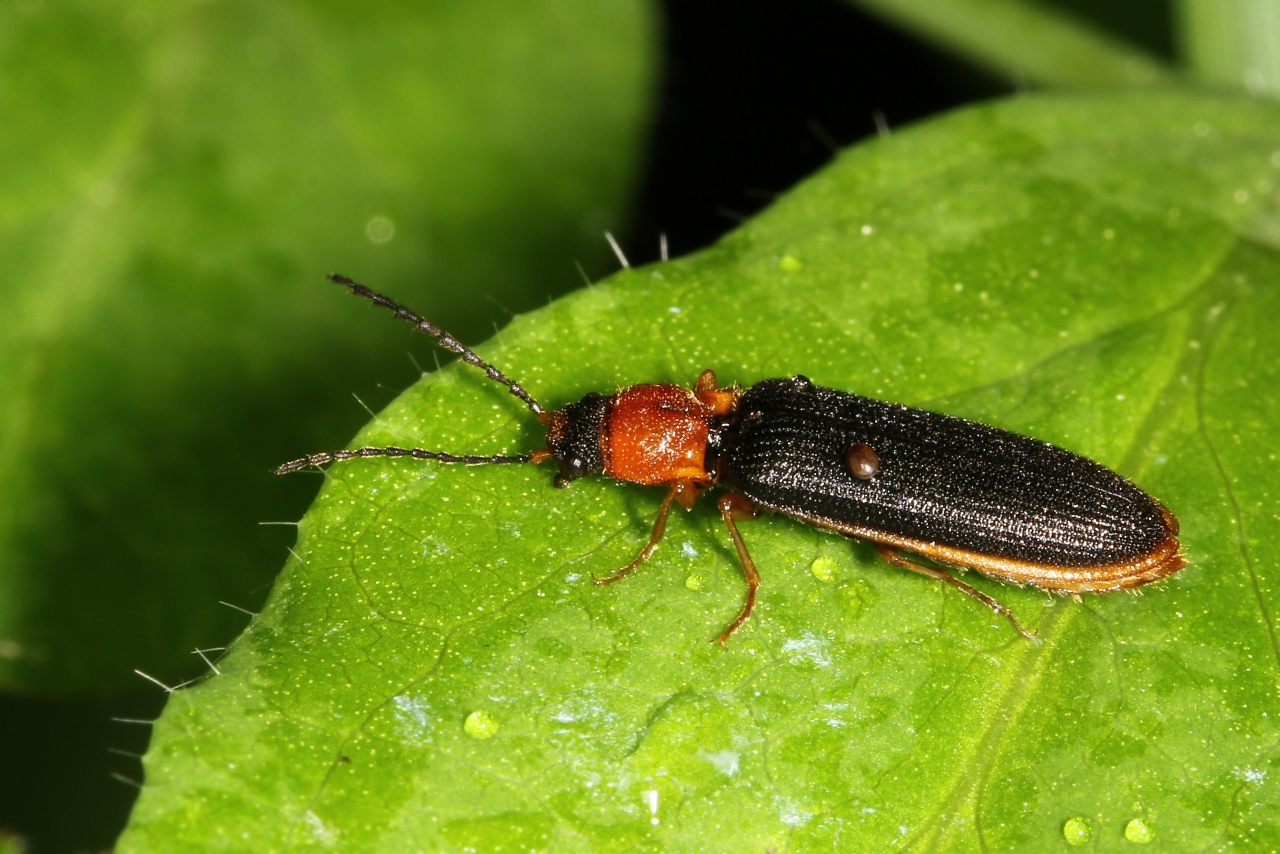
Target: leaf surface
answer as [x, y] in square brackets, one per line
[436, 671]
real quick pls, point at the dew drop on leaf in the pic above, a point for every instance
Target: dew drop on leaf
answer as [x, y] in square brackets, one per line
[480, 725]
[1077, 831]
[1139, 831]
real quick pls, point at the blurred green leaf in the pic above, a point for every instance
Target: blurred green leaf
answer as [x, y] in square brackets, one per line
[436, 671]
[1026, 41]
[1232, 43]
[177, 178]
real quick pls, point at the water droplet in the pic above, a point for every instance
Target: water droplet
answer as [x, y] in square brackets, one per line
[380, 229]
[1138, 831]
[823, 568]
[480, 725]
[1077, 831]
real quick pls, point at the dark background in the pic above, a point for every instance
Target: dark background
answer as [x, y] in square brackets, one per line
[756, 95]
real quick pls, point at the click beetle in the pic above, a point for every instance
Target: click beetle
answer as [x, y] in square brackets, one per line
[960, 493]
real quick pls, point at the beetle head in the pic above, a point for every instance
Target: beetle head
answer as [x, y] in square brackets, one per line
[575, 437]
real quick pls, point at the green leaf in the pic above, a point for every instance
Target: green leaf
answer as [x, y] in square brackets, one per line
[1232, 44]
[436, 671]
[177, 178]
[1026, 41]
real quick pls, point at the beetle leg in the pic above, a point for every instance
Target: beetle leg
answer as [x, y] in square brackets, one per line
[659, 528]
[896, 558]
[733, 506]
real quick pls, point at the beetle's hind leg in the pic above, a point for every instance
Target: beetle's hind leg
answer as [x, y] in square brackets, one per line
[898, 559]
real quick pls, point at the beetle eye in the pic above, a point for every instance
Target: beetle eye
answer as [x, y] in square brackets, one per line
[572, 468]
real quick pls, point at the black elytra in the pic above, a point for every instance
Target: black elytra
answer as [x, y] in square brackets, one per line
[940, 479]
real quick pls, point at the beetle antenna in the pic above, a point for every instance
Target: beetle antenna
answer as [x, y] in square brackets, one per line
[447, 342]
[416, 453]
